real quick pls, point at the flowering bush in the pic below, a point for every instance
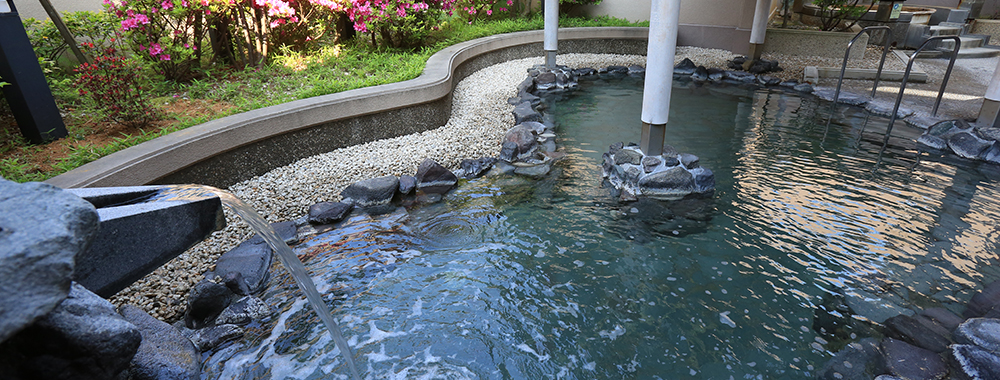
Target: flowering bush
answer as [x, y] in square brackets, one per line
[166, 33]
[95, 27]
[112, 83]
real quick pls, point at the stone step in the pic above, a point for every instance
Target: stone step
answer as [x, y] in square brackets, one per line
[939, 30]
[967, 42]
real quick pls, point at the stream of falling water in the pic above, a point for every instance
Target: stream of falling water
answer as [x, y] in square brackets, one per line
[285, 255]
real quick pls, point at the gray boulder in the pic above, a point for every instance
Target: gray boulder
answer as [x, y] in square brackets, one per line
[165, 354]
[636, 70]
[211, 337]
[206, 300]
[910, 330]
[689, 161]
[42, 229]
[628, 156]
[983, 332]
[911, 362]
[434, 178]
[524, 112]
[476, 168]
[982, 302]
[685, 67]
[82, 338]
[989, 133]
[524, 137]
[859, 360]
[407, 184]
[968, 145]
[992, 154]
[287, 231]
[943, 316]
[740, 76]
[508, 152]
[371, 192]
[700, 74]
[244, 311]
[329, 212]
[650, 163]
[973, 362]
[545, 81]
[668, 184]
[803, 87]
[251, 260]
[704, 180]
[932, 141]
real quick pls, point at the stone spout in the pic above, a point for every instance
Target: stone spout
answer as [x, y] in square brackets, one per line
[139, 233]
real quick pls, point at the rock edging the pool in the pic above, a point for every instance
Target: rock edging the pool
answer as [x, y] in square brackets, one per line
[225, 151]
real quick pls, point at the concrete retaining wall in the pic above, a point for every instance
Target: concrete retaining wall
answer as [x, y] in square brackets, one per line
[235, 148]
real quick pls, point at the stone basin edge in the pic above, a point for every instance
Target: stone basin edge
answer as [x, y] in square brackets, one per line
[234, 148]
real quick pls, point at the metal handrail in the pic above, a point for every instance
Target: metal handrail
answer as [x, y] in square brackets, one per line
[847, 55]
[906, 75]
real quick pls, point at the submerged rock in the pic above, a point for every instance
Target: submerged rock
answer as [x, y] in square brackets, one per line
[859, 360]
[912, 331]
[911, 362]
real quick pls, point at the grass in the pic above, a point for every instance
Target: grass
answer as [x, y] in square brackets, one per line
[289, 76]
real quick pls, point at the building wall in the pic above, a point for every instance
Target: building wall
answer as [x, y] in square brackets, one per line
[721, 24]
[33, 8]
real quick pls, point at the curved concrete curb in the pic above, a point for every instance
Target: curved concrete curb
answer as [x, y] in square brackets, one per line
[225, 151]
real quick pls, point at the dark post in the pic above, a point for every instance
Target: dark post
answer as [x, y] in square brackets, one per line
[28, 94]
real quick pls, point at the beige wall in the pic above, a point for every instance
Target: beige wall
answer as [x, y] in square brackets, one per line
[721, 24]
[33, 8]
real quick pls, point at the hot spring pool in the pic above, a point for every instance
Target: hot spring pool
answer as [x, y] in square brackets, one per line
[512, 278]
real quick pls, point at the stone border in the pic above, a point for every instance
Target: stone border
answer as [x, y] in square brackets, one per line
[225, 151]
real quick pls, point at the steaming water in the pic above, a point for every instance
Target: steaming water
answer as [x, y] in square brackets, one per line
[510, 278]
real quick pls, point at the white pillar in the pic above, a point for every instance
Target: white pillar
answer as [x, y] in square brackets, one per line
[551, 32]
[663, 20]
[759, 28]
[989, 115]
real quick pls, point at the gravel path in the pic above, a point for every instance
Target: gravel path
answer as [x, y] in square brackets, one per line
[480, 117]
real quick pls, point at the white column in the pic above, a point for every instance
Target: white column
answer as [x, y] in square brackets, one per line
[663, 20]
[551, 44]
[760, 16]
[989, 115]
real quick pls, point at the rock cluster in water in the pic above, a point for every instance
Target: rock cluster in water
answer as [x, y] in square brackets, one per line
[668, 176]
[932, 343]
[957, 136]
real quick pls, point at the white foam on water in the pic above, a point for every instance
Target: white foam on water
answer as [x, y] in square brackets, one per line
[429, 358]
[724, 318]
[590, 366]
[417, 309]
[613, 334]
[528, 349]
[376, 335]
[578, 263]
[381, 311]
[380, 356]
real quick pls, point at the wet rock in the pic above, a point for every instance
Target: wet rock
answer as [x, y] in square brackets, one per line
[943, 316]
[910, 330]
[988, 133]
[858, 360]
[508, 152]
[525, 139]
[844, 98]
[884, 108]
[164, 352]
[434, 178]
[762, 66]
[476, 168]
[700, 74]
[211, 337]
[983, 332]
[982, 302]
[992, 154]
[407, 184]
[82, 338]
[536, 171]
[910, 362]
[636, 70]
[42, 228]
[545, 81]
[371, 192]
[206, 300]
[716, 74]
[973, 362]
[614, 148]
[689, 161]
[628, 156]
[251, 259]
[501, 168]
[632, 174]
[932, 141]
[968, 145]
[670, 159]
[586, 71]
[243, 311]
[767, 80]
[803, 87]
[704, 180]
[934, 326]
[526, 86]
[329, 212]
[740, 76]
[286, 231]
[685, 67]
[616, 69]
[668, 184]
[791, 83]
[876, 308]
[524, 112]
[650, 163]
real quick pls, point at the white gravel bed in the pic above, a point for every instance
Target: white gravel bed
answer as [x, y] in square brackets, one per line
[480, 118]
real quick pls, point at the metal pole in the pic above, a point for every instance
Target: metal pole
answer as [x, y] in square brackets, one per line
[760, 16]
[663, 22]
[64, 31]
[551, 32]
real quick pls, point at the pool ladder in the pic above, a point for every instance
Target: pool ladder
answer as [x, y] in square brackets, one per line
[906, 75]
